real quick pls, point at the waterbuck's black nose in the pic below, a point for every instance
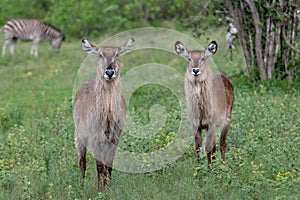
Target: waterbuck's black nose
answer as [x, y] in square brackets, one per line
[196, 71]
[109, 72]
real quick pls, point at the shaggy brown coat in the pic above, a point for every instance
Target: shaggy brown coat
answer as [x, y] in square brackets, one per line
[99, 111]
[209, 99]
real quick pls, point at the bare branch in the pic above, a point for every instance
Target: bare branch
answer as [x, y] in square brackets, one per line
[258, 35]
[221, 12]
[238, 73]
[237, 17]
[288, 42]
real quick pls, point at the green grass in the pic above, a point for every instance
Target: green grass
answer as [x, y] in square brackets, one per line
[38, 158]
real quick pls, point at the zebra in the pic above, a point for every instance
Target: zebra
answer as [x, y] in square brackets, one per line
[30, 29]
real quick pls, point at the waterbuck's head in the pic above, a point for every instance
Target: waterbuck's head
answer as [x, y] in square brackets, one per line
[108, 65]
[197, 68]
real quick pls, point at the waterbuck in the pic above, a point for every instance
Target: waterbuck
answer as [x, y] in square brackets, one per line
[99, 111]
[209, 99]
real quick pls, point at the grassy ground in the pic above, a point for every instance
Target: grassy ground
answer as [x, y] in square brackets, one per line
[38, 158]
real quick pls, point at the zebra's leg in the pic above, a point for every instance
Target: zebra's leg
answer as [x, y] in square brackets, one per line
[6, 42]
[34, 48]
[12, 46]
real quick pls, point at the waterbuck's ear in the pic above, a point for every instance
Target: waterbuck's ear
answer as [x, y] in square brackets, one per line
[89, 47]
[181, 50]
[127, 46]
[211, 48]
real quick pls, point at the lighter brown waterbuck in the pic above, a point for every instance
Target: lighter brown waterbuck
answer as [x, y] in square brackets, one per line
[99, 111]
[209, 99]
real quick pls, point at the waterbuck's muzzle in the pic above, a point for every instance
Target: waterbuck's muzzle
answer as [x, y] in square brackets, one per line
[109, 74]
[196, 71]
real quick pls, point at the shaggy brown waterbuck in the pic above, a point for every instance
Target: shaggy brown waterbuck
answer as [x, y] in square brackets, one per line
[209, 99]
[99, 110]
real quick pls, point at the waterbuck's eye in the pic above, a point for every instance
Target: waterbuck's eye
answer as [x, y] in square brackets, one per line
[202, 59]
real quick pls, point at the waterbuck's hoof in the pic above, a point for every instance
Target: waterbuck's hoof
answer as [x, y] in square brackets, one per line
[214, 157]
[209, 168]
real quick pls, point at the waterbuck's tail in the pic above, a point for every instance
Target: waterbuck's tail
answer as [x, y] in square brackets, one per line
[1, 29]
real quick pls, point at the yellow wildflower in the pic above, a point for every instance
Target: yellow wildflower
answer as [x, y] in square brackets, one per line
[28, 74]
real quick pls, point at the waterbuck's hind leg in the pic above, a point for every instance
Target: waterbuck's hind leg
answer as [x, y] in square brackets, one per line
[223, 144]
[109, 170]
[82, 159]
[82, 164]
[214, 152]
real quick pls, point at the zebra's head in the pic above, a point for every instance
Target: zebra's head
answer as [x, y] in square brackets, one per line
[56, 43]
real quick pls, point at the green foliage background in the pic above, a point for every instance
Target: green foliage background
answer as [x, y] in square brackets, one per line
[78, 18]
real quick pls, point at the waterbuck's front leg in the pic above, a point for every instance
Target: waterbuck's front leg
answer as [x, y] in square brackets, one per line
[223, 144]
[198, 142]
[210, 143]
[82, 158]
[104, 175]
[101, 174]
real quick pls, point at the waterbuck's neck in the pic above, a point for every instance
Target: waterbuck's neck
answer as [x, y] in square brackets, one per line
[199, 96]
[202, 89]
[107, 90]
[202, 83]
[108, 98]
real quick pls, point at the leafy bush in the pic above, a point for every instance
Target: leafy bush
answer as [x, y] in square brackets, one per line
[82, 18]
[12, 9]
